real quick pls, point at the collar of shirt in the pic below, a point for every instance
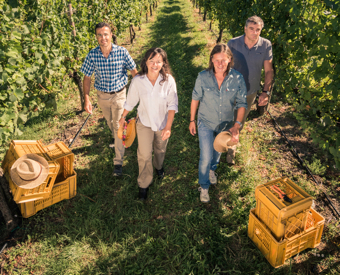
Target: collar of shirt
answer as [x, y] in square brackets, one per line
[112, 52]
[212, 75]
[159, 78]
[258, 43]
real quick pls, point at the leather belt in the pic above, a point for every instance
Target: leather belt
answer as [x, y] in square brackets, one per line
[116, 92]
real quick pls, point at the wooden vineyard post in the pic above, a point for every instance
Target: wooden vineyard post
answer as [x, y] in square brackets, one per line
[219, 39]
[140, 23]
[210, 25]
[132, 33]
[76, 78]
[70, 20]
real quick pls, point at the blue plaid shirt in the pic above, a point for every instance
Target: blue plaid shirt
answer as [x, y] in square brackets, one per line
[110, 73]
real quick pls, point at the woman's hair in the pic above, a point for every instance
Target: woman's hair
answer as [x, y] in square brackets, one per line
[165, 70]
[221, 48]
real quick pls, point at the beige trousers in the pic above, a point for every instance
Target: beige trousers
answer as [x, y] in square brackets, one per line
[149, 141]
[112, 107]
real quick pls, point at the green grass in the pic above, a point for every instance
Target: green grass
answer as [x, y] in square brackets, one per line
[106, 230]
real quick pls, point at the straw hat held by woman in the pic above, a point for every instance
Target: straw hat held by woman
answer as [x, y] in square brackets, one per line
[218, 91]
[155, 90]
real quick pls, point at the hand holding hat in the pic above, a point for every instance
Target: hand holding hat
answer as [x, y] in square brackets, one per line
[127, 132]
[223, 141]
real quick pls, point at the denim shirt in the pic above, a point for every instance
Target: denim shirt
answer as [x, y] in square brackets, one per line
[217, 105]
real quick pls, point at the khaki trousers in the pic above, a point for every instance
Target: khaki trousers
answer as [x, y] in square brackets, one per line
[149, 141]
[112, 107]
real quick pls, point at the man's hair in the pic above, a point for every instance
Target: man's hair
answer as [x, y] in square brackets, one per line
[101, 25]
[256, 20]
[221, 48]
[165, 70]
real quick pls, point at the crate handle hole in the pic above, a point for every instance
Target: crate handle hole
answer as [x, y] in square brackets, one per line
[48, 183]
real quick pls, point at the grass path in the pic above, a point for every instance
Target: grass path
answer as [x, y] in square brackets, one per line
[106, 230]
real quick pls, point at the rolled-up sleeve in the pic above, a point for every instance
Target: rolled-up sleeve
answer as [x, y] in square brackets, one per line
[132, 97]
[88, 66]
[241, 97]
[197, 93]
[172, 98]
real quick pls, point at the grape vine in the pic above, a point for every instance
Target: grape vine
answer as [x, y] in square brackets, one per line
[39, 52]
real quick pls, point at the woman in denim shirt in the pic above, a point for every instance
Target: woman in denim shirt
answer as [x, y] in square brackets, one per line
[219, 90]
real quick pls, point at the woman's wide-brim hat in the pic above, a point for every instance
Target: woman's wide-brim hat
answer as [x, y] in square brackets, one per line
[129, 136]
[29, 171]
[223, 141]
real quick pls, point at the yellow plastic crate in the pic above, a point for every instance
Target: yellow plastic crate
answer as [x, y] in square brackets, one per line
[66, 189]
[278, 252]
[43, 191]
[282, 218]
[61, 153]
[19, 148]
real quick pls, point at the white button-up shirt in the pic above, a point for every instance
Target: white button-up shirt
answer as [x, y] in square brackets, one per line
[154, 101]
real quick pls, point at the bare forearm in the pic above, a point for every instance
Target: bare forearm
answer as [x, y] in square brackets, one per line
[268, 79]
[133, 72]
[86, 90]
[193, 109]
[86, 86]
[125, 113]
[240, 114]
[171, 116]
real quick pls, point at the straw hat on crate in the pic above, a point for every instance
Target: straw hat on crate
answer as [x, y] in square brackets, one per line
[29, 171]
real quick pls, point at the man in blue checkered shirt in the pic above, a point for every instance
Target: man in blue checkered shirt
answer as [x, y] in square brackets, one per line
[109, 63]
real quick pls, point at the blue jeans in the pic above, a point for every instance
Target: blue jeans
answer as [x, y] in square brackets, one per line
[209, 158]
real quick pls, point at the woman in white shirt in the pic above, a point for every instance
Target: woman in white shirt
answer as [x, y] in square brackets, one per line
[155, 90]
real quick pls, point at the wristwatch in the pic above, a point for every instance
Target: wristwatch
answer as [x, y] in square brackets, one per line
[239, 123]
[267, 92]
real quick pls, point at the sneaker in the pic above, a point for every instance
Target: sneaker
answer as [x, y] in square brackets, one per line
[204, 197]
[212, 177]
[160, 173]
[118, 171]
[112, 143]
[231, 155]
